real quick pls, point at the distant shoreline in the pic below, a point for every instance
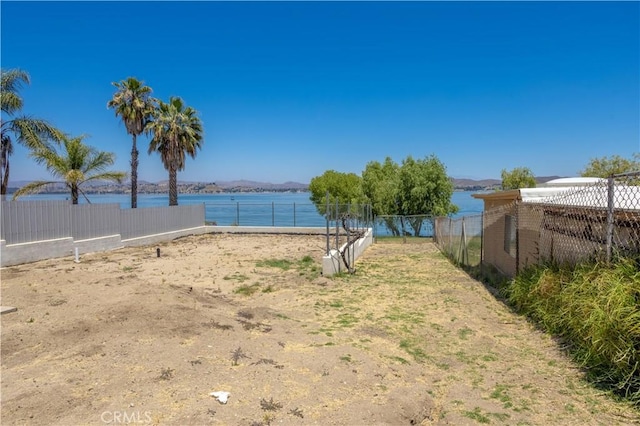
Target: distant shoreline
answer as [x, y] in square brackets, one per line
[10, 191]
[239, 186]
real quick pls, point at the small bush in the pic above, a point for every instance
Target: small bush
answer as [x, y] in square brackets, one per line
[594, 307]
[247, 290]
[283, 264]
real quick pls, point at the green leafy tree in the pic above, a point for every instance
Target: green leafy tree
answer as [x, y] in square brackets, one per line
[380, 185]
[133, 103]
[424, 189]
[604, 167]
[28, 131]
[177, 132]
[520, 177]
[343, 188]
[76, 165]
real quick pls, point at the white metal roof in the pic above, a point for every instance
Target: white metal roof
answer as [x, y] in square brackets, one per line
[625, 196]
[572, 181]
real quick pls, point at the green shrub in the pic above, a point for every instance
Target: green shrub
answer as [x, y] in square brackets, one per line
[595, 308]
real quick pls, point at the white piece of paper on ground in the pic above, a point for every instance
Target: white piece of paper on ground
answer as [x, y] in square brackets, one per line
[221, 396]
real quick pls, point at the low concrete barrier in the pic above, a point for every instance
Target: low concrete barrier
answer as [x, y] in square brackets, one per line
[320, 230]
[333, 263]
[92, 245]
[15, 254]
[164, 236]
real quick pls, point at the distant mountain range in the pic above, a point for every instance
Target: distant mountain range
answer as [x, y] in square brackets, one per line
[478, 185]
[238, 184]
[185, 187]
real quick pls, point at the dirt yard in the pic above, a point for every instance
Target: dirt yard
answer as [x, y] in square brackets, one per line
[127, 337]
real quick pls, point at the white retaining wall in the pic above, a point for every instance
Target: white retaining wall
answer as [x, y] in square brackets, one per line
[15, 254]
[333, 264]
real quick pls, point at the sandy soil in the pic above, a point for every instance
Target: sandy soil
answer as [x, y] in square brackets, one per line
[127, 337]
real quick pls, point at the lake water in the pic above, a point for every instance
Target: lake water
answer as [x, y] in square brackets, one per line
[249, 209]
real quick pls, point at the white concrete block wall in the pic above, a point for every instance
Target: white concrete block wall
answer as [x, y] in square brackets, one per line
[332, 264]
[16, 254]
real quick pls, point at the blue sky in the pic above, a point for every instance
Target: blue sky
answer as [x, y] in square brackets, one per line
[288, 90]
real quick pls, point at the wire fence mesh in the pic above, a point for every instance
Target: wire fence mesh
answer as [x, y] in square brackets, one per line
[345, 224]
[460, 239]
[594, 222]
[263, 214]
[598, 221]
[405, 226]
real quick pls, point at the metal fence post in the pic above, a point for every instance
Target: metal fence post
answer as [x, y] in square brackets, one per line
[326, 215]
[273, 214]
[337, 234]
[482, 243]
[435, 231]
[238, 213]
[450, 245]
[374, 229]
[464, 254]
[294, 214]
[610, 209]
[348, 247]
[517, 219]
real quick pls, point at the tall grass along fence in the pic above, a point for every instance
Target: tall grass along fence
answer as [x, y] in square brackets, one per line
[577, 260]
[595, 308]
[460, 239]
[575, 256]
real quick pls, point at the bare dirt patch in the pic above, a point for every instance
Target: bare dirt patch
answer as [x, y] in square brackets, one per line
[127, 337]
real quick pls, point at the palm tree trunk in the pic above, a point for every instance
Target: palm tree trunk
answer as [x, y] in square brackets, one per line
[74, 194]
[4, 158]
[5, 180]
[173, 186]
[134, 174]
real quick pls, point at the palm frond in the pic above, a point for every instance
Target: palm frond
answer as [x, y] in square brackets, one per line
[111, 176]
[133, 103]
[76, 163]
[11, 102]
[32, 188]
[98, 162]
[10, 82]
[32, 132]
[177, 132]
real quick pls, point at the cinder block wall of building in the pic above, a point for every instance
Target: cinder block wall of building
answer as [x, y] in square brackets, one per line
[495, 221]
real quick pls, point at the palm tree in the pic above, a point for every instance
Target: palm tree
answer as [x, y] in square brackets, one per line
[134, 104]
[28, 131]
[176, 131]
[78, 164]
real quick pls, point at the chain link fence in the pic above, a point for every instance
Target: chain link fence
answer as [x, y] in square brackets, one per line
[403, 226]
[598, 221]
[262, 214]
[460, 239]
[594, 222]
